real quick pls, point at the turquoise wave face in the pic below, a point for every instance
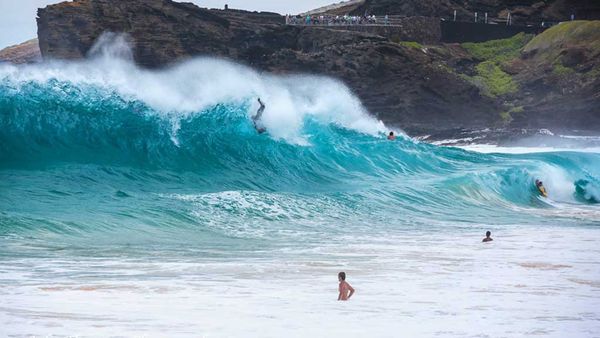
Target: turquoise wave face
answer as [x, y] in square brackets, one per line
[95, 159]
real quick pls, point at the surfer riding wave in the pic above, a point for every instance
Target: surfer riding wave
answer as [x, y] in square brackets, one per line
[541, 188]
[256, 119]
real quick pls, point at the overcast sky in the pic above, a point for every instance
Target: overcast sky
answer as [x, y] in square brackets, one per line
[17, 17]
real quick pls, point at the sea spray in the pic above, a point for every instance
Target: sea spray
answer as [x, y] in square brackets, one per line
[190, 88]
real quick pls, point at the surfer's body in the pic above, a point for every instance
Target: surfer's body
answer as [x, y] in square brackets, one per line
[541, 188]
[256, 119]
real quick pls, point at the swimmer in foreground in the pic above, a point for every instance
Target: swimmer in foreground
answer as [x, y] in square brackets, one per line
[541, 188]
[256, 118]
[391, 136]
[488, 237]
[346, 291]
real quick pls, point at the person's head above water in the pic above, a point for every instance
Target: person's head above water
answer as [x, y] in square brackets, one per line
[391, 133]
[488, 237]
[342, 276]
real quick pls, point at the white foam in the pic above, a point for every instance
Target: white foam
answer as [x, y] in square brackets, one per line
[528, 281]
[200, 83]
[490, 148]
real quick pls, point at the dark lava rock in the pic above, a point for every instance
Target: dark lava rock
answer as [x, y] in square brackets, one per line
[26, 52]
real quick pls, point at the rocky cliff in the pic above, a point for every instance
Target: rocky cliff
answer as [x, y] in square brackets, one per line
[522, 11]
[421, 87]
[399, 82]
[26, 52]
[558, 74]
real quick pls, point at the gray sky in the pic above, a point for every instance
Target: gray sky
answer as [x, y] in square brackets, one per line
[17, 17]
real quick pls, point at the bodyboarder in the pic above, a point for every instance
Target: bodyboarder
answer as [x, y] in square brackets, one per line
[541, 188]
[256, 119]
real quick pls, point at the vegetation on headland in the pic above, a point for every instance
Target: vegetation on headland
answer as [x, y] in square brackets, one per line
[498, 50]
[490, 77]
[568, 51]
[492, 80]
[507, 116]
[496, 81]
[411, 44]
[585, 33]
[557, 46]
[594, 73]
[560, 70]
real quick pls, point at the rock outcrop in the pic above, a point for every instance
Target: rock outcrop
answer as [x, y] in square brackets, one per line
[163, 31]
[26, 52]
[558, 73]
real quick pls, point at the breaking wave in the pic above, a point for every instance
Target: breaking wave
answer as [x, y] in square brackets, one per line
[103, 144]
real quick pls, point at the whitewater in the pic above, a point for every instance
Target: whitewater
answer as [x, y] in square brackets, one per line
[138, 202]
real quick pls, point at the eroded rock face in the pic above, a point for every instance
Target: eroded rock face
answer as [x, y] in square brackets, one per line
[163, 31]
[26, 52]
[559, 77]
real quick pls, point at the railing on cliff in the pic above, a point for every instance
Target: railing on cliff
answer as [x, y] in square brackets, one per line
[345, 20]
[399, 20]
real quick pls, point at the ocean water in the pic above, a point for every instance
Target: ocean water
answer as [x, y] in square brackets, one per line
[143, 203]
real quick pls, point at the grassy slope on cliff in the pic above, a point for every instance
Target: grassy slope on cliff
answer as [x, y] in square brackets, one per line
[570, 48]
[490, 77]
[498, 50]
[565, 57]
[584, 33]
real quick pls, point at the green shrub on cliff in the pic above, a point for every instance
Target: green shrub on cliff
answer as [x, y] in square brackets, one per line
[490, 78]
[507, 116]
[498, 50]
[561, 70]
[594, 73]
[411, 44]
[495, 81]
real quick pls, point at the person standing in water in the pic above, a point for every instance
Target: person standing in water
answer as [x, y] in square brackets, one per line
[391, 136]
[488, 237]
[346, 291]
[256, 118]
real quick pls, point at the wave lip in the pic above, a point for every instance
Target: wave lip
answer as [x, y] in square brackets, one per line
[190, 88]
